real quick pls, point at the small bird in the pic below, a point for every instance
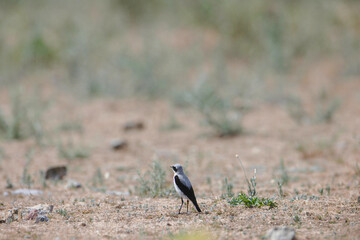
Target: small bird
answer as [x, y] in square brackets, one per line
[183, 187]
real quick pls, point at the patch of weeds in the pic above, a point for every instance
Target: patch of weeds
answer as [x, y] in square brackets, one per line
[327, 188]
[252, 182]
[299, 196]
[97, 181]
[284, 177]
[227, 189]
[153, 182]
[37, 51]
[184, 235]
[70, 151]
[324, 111]
[9, 184]
[252, 201]
[357, 168]
[98, 178]
[25, 178]
[325, 108]
[296, 218]
[2, 154]
[24, 119]
[280, 191]
[216, 111]
[62, 212]
[171, 124]
[319, 148]
[42, 178]
[71, 126]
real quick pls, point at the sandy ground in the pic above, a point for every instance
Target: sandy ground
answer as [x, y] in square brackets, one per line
[329, 157]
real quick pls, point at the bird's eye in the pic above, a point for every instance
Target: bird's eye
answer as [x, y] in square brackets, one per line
[174, 168]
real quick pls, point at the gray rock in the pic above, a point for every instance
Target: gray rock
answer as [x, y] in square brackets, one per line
[56, 173]
[118, 144]
[281, 233]
[133, 125]
[24, 191]
[41, 218]
[71, 183]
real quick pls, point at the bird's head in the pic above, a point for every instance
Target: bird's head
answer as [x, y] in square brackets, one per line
[177, 168]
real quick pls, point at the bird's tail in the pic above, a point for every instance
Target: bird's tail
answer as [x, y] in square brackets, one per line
[196, 205]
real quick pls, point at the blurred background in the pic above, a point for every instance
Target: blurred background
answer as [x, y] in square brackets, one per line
[70, 69]
[113, 92]
[159, 49]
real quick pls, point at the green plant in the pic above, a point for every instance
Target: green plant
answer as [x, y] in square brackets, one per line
[216, 111]
[252, 201]
[63, 212]
[97, 179]
[25, 176]
[8, 183]
[252, 182]
[327, 188]
[280, 191]
[153, 182]
[171, 124]
[284, 177]
[70, 151]
[71, 126]
[325, 108]
[296, 218]
[25, 118]
[37, 51]
[227, 189]
[42, 179]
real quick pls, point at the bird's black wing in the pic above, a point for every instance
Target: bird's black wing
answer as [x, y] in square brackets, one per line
[189, 192]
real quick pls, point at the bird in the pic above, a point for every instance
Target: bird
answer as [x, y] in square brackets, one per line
[183, 187]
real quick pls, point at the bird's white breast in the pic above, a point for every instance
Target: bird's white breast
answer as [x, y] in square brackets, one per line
[178, 190]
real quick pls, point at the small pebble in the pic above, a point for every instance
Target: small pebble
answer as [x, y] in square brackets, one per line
[41, 218]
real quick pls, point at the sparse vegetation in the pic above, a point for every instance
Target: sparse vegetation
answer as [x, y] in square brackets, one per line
[252, 201]
[323, 112]
[73, 74]
[296, 218]
[63, 212]
[227, 189]
[24, 119]
[69, 126]
[215, 111]
[26, 178]
[70, 151]
[153, 182]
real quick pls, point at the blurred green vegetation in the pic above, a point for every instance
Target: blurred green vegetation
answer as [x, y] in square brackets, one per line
[158, 48]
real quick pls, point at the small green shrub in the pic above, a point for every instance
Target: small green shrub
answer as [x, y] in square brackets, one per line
[324, 111]
[25, 118]
[216, 111]
[70, 151]
[153, 182]
[251, 201]
[227, 188]
[63, 212]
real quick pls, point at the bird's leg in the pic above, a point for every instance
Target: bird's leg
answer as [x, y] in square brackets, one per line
[182, 202]
[187, 206]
